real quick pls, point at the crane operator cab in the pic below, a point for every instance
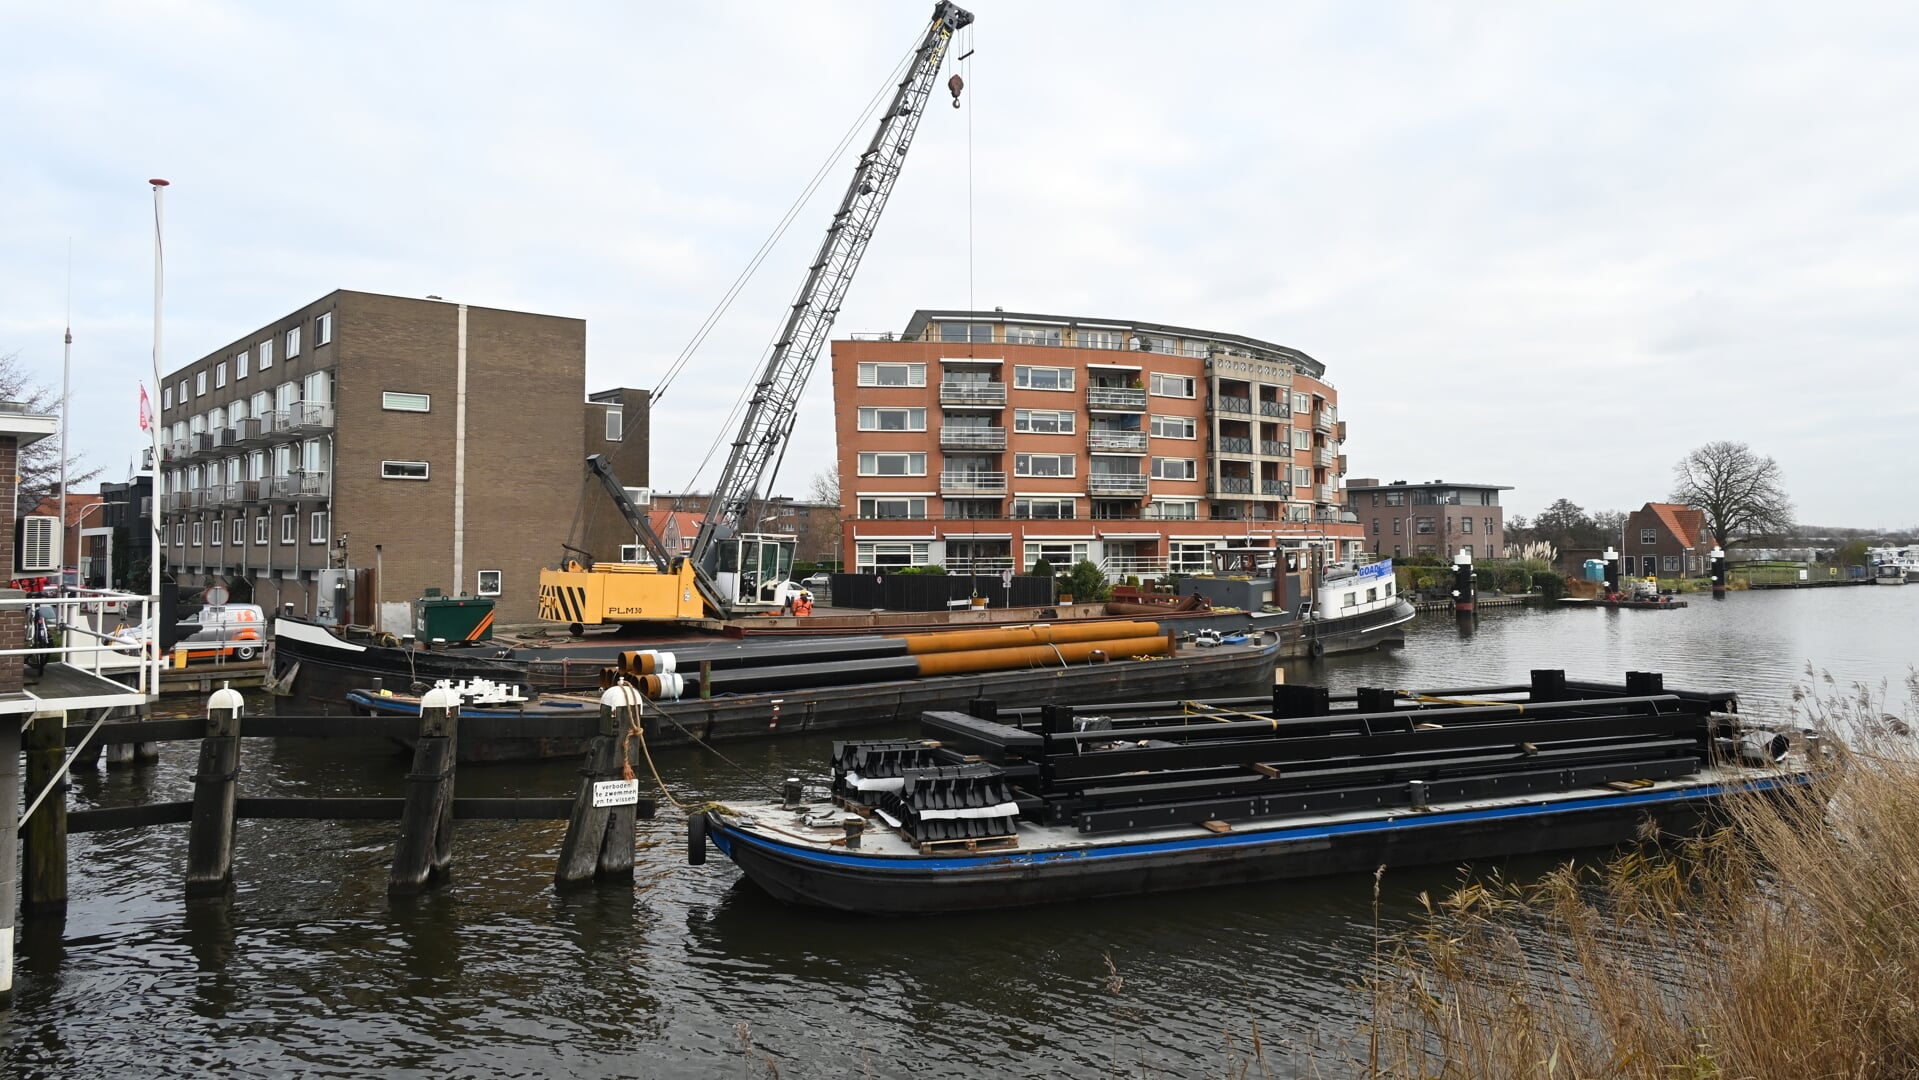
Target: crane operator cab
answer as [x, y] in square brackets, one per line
[754, 570]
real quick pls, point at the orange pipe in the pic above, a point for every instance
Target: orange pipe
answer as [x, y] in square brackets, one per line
[940, 641]
[1042, 656]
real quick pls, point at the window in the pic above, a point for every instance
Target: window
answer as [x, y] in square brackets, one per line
[260, 529]
[899, 464]
[1033, 335]
[1648, 537]
[1174, 427]
[1395, 498]
[323, 334]
[977, 333]
[1153, 343]
[1042, 465]
[1174, 509]
[216, 419]
[199, 533]
[1375, 526]
[1396, 523]
[237, 413]
[1043, 509]
[1465, 524]
[180, 534]
[199, 383]
[1061, 554]
[265, 349]
[239, 531]
[316, 527]
[1672, 564]
[1042, 378]
[1178, 386]
[285, 396]
[40, 544]
[1489, 526]
[1303, 478]
[487, 583]
[876, 419]
[293, 343]
[873, 556]
[1423, 525]
[1626, 565]
[403, 470]
[216, 535]
[897, 509]
[1043, 421]
[288, 529]
[1302, 404]
[892, 375]
[240, 365]
[615, 423]
[1099, 339]
[219, 374]
[317, 387]
[1175, 469]
[166, 397]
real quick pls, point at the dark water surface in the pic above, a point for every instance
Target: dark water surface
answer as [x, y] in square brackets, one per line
[311, 970]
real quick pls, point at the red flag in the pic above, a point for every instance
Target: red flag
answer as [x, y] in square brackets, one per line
[146, 409]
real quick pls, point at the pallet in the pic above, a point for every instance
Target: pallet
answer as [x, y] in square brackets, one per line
[968, 844]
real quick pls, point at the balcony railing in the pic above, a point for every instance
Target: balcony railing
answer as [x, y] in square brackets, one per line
[1230, 485]
[1121, 567]
[1116, 484]
[223, 438]
[1323, 422]
[1323, 457]
[1275, 408]
[198, 443]
[1276, 487]
[1339, 430]
[1225, 403]
[253, 429]
[178, 449]
[990, 564]
[1122, 441]
[1271, 448]
[972, 438]
[308, 417]
[1326, 493]
[173, 500]
[972, 392]
[299, 487]
[1234, 444]
[1117, 398]
[972, 483]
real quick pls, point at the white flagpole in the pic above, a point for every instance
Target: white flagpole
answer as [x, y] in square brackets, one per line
[151, 623]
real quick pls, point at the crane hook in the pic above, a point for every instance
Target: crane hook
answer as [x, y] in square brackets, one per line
[956, 84]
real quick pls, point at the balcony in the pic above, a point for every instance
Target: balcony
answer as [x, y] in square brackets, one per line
[1226, 404]
[199, 444]
[1230, 485]
[1129, 484]
[1339, 464]
[1326, 494]
[972, 392]
[307, 418]
[972, 438]
[972, 483]
[1235, 444]
[224, 438]
[1323, 422]
[1280, 488]
[1270, 448]
[1116, 398]
[1275, 408]
[1323, 457]
[173, 500]
[253, 430]
[240, 492]
[1123, 442]
[178, 449]
[1339, 430]
[299, 487]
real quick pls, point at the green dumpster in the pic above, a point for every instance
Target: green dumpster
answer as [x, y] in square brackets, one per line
[453, 618]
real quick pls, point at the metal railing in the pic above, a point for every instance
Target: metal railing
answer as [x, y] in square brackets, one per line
[1323, 457]
[1275, 408]
[1323, 422]
[972, 392]
[953, 437]
[308, 416]
[1276, 487]
[1230, 485]
[1121, 567]
[1116, 484]
[979, 483]
[1134, 441]
[1235, 444]
[1226, 403]
[87, 623]
[304, 485]
[1115, 397]
[1270, 448]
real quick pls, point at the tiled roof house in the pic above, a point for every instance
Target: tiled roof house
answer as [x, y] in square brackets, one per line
[1665, 540]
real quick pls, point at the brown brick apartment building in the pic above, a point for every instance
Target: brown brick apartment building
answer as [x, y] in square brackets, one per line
[986, 440]
[442, 442]
[1434, 518]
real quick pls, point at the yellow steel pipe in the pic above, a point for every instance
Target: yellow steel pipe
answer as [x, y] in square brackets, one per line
[1037, 656]
[940, 641]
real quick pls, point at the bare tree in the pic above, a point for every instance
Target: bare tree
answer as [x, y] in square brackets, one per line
[825, 491]
[1741, 492]
[39, 464]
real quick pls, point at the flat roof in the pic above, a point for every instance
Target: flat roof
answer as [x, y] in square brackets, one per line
[1350, 486]
[26, 428]
[917, 326]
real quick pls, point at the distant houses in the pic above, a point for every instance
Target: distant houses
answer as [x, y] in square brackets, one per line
[1665, 539]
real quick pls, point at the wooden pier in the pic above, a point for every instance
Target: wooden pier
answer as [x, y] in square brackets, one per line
[1482, 601]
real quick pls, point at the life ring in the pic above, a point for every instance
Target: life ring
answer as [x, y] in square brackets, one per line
[386, 640]
[696, 840]
[1315, 648]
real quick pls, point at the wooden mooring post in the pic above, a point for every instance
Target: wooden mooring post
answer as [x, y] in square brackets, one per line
[215, 789]
[9, 848]
[44, 836]
[599, 835]
[424, 853]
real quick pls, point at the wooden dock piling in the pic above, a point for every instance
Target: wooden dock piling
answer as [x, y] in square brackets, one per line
[9, 849]
[599, 835]
[424, 852]
[45, 837]
[215, 789]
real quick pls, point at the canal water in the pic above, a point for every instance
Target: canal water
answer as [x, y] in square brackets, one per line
[312, 971]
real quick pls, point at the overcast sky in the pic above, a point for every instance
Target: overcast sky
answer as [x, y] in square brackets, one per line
[1548, 246]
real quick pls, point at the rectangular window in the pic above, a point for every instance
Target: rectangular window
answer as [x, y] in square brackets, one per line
[1672, 564]
[1042, 465]
[1648, 537]
[1043, 509]
[293, 343]
[1174, 509]
[1033, 335]
[876, 419]
[180, 534]
[1174, 427]
[265, 349]
[1302, 478]
[895, 464]
[1176, 386]
[487, 583]
[1061, 554]
[1175, 468]
[1375, 526]
[394, 401]
[216, 535]
[240, 364]
[1626, 565]
[1465, 524]
[260, 529]
[892, 375]
[1489, 526]
[615, 424]
[239, 532]
[1043, 421]
[316, 527]
[893, 509]
[1423, 525]
[166, 397]
[1396, 523]
[323, 331]
[199, 383]
[1302, 404]
[1099, 339]
[1154, 343]
[219, 374]
[403, 470]
[198, 533]
[1395, 498]
[289, 528]
[871, 556]
[978, 333]
[1042, 378]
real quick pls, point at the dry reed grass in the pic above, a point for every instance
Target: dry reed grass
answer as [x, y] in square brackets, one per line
[1785, 945]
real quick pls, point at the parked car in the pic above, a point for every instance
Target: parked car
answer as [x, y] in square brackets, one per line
[235, 630]
[818, 581]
